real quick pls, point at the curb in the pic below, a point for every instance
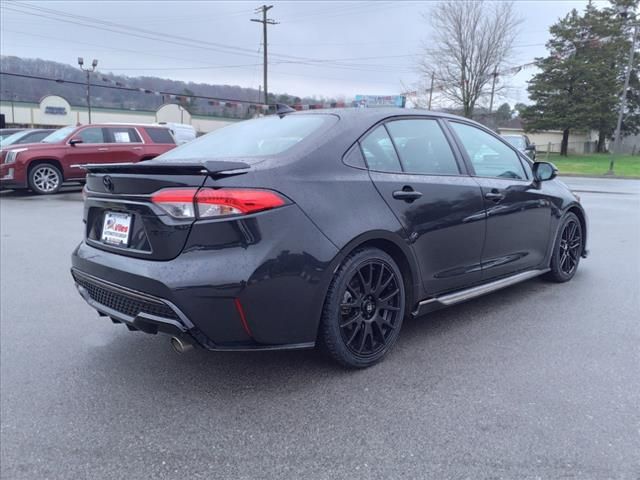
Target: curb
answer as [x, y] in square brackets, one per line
[612, 177]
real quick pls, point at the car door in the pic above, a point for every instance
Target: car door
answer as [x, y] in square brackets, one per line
[518, 212]
[92, 149]
[414, 168]
[125, 144]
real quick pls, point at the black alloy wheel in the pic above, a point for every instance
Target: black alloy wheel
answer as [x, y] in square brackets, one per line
[567, 250]
[364, 309]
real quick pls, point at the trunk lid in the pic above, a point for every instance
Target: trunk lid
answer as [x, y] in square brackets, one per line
[120, 216]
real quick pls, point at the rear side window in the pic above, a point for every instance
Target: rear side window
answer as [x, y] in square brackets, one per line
[489, 156]
[123, 135]
[91, 135]
[422, 147]
[379, 152]
[252, 138]
[160, 135]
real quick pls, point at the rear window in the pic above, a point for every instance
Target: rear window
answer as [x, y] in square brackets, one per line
[252, 138]
[160, 135]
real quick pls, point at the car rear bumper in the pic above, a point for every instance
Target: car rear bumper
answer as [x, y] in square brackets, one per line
[267, 295]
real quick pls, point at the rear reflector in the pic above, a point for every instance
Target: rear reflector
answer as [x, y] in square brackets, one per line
[210, 203]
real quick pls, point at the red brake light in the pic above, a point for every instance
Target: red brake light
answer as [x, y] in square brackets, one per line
[209, 202]
[235, 201]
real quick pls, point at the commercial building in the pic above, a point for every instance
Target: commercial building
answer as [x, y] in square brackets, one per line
[56, 111]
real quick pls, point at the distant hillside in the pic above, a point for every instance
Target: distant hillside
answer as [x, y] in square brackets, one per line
[32, 90]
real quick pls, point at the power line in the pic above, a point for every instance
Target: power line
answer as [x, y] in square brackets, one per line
[119, 86]
[76, 42]
[164, 37]
[130, 31]
[353, 66]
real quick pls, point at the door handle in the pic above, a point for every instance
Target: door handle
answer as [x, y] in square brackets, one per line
[494, 195]
[137, 148]
[407, 194]
[103, 149]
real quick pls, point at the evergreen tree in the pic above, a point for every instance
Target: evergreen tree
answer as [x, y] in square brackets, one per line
[580, 81]
[503, 113]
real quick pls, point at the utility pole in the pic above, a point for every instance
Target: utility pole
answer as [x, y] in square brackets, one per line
[493, 88]
[88, 71]
[433, 76]
[623, 102]
[264, 21]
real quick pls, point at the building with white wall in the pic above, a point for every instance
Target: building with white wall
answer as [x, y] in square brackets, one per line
[55, 111]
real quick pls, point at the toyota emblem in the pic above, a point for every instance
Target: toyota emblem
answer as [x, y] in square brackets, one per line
[108, 183]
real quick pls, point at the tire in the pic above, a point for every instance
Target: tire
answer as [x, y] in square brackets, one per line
[363, 310]
[567, 250]
[45, 179]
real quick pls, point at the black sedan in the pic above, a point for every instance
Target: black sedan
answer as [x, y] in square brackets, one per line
[323, 228]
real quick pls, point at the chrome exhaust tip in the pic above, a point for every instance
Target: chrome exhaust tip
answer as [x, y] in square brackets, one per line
[180, 345]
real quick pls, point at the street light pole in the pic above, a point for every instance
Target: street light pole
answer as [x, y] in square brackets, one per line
[88, 72]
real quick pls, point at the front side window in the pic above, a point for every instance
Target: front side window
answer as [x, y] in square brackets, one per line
[123, 135]
[379, 152]
[252, 138]
[489, 156]
[422, 147]
[91, 135]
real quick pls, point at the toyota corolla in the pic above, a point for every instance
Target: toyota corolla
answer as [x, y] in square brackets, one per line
[323, 228]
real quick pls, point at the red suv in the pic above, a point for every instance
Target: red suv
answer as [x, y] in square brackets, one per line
[44, 166]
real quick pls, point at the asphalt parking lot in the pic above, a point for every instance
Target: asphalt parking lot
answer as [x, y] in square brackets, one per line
[535, 381]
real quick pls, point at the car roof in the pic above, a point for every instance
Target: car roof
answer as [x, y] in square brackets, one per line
[376, 114]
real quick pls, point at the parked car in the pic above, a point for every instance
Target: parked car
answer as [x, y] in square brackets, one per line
[5, 132]
[182, 132]
[320, 228]
[32, 135]
[522, 143]
[44, 166]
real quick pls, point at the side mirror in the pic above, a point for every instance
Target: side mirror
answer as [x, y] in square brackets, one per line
[543, 171]
[75, 141]
[531, 147]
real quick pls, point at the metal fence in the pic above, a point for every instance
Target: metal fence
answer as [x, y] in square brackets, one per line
[629, 146]
[579, 148]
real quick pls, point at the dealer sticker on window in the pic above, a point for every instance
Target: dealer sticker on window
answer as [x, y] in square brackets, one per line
[116, 227]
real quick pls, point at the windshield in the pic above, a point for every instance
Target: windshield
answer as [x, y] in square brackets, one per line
[11, 139]
[58, 135]
[515, 140]
[251, 138]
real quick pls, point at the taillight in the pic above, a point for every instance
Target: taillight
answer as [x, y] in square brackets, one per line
[209, 202]
[177, 202]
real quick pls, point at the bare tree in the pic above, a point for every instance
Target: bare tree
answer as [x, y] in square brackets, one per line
[471, 41]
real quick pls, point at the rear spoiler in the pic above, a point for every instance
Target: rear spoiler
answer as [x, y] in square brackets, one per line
[214, 168]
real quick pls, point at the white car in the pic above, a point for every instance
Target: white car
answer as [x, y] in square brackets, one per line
[182, 132]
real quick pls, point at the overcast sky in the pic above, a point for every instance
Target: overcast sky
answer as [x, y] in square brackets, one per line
[326, 48]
